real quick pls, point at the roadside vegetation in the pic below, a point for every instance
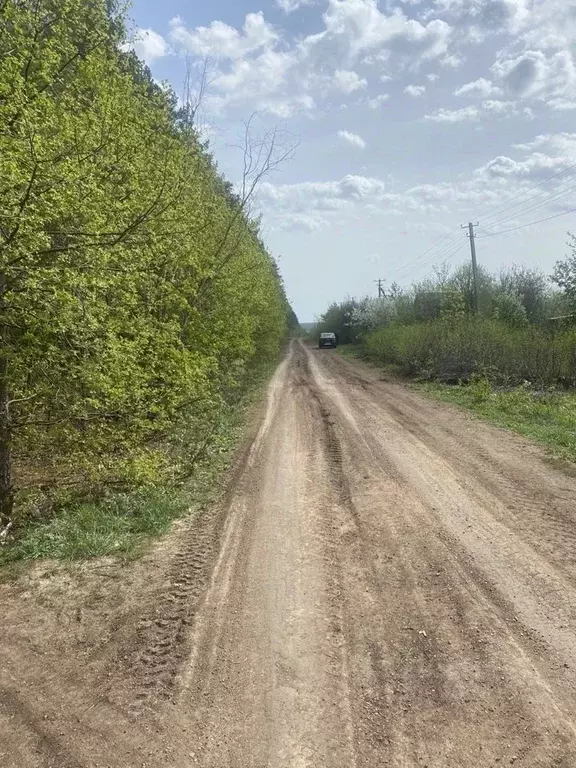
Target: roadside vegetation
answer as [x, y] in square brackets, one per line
[514, 362]
[138, 302]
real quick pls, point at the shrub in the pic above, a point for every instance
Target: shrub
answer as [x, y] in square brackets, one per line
[450, 351]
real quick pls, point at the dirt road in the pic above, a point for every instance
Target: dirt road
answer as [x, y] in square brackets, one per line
[387, 582]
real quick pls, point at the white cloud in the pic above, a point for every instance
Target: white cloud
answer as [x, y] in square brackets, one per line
[501, 108]
[223, 41]
[537, 63]
[480, 87]
[356, 27]
[466, 114]
[320, 202]
[561, 105]
[453, 61]
[478, 19]
[304, 222]
[474, 113]
[560, 145]
[538, 75]
[415, 90]
[551, 24]
[348, 81]
[289, 6]
[264, 83]
[259, 66]
[353, 139]
[323, 195]
[313, 205]
[149, 45]
[377, 101]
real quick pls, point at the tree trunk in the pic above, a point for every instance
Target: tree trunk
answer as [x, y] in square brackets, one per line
[6, 488]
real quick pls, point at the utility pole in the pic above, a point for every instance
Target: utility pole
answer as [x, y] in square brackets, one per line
[472, 238]
[381, 293]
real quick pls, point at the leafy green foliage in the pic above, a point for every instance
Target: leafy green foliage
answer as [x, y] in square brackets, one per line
[135, 293]
[72, 525]
[458, 351]
[429, 330]
[529, 286]
[565, 273]
[339, 319]
[510, 311]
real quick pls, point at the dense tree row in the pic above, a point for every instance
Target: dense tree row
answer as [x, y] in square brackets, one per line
[135, 292]
[525, 329]
[517, 297]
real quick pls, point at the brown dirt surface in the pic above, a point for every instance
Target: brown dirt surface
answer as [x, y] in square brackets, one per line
[387, 581]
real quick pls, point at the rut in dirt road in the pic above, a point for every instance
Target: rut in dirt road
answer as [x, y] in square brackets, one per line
[387, 582]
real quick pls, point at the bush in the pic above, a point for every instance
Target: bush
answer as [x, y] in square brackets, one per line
[449, 351]
[508, 309]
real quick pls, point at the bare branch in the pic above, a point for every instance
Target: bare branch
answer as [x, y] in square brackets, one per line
[261, 156]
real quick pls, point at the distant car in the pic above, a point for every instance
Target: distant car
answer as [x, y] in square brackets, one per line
[327, 340]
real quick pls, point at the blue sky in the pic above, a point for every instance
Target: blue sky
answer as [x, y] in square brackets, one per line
[407, 118]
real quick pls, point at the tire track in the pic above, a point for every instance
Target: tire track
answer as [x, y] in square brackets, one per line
[451, 656]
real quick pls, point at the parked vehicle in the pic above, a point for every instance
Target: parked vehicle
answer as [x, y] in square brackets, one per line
[327, 340]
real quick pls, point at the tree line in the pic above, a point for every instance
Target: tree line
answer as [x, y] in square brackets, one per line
[136, 294]
[524, 330]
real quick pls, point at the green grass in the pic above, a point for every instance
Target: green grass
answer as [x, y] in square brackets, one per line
[350, 350]
[116, 524]
[548, 417]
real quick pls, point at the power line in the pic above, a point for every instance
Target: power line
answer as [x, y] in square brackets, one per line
[408, 266]
[530, 224]
[447, 247]
[541, 204]
[551, 194]
[445, 255]
[488, 214]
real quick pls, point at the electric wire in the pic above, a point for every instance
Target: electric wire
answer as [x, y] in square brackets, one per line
[529, 224]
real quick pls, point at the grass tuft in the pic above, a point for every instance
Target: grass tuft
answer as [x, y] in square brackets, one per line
[116, 524]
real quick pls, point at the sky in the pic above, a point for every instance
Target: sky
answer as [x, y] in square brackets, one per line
[398, 121]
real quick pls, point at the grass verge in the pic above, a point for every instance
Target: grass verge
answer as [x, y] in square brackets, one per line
[547, 417]
[123, 524]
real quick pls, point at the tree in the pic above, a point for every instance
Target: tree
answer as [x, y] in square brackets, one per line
[462, 281]
[508, 309]
[530, 286]
[372, 313]
[134, 285]
[565, 271]
[339, 318]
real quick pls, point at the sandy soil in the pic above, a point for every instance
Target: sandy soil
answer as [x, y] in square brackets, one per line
[386, 582]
